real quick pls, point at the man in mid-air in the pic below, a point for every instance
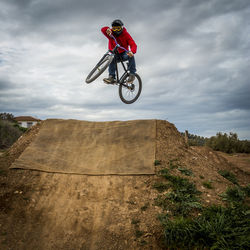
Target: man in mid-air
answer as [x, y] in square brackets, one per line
[125, 40]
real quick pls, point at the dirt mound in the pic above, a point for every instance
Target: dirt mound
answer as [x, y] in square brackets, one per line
[19, 146]
[203, 162]
[41, 210]
[94, 148]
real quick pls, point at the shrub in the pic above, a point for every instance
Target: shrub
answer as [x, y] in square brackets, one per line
[228, 143]
[228, 175]
[161, 187]
[182, 199]
[157, 162]
[216, 228]
[185, 171]
[195, 140]
[172, 165]
[246, 190]
[182, 203]
[8, 133]
[235, 194]
[7, 117]
[207, 184]
[22, 129]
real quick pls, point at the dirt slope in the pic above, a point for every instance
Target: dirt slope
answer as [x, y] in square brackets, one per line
[41, 210]
[94, 148]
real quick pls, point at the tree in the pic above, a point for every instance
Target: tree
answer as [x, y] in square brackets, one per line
[228, 143]
[7, 117]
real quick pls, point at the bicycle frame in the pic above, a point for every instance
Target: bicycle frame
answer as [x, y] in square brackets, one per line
[126, 71]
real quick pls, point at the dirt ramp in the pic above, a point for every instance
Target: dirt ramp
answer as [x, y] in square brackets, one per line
[94, 148]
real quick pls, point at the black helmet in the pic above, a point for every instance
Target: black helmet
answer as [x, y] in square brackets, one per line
[118, 23]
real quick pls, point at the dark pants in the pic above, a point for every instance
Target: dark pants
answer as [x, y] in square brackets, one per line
[125, 57]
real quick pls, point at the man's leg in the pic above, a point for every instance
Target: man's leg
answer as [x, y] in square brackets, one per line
[131, 67]
[112, 69]
[131, 62]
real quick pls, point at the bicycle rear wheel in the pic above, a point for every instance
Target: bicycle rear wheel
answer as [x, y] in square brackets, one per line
[99, 68]
[129, 93]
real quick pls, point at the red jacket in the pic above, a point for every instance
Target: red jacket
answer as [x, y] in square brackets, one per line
[124, 39]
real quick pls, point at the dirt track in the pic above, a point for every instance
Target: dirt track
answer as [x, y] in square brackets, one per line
[62, 211]
[41, 210]
[93, 148]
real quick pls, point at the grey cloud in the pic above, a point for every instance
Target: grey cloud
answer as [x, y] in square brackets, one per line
[6, 84]
[3, 85]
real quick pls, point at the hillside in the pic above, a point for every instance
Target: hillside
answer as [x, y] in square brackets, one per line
[49, 210]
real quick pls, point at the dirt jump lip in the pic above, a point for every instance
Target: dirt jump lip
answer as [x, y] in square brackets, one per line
[92, 148]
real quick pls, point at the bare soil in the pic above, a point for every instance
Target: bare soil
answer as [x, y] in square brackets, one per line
[40, 210]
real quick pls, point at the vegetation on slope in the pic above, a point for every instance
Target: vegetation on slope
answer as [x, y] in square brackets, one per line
[190, 225]
[10, 131]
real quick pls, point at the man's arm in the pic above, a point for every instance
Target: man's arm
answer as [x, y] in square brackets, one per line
[106, 31]
[132, 44]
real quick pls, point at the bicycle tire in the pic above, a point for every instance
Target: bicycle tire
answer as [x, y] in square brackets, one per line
[103, 63]
[121, 87]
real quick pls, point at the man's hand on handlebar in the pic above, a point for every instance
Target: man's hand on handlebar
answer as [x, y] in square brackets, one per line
[109, 32]
[130, 54]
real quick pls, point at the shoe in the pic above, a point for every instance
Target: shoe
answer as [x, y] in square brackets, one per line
[131, 78]
[109, 80]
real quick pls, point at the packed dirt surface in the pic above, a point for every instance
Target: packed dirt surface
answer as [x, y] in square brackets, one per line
[93, 148]
[40, 210]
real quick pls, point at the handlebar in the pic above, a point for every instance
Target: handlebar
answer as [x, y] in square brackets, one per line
[117, 44]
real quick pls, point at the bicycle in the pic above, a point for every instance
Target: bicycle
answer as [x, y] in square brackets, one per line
[128, 92]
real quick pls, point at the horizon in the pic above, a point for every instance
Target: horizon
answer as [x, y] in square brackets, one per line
[54, 118]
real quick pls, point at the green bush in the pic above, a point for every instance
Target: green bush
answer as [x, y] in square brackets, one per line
[207, 184]
[7, 117]
[157, 162]
[9, 133]
[195, 140]
[246, 190]
[173, 165]
[229, 176]
[22, 129]
[228, 143]
[235, 194]
[185, 171]
[216, 228]
[221, 142]
[182, 199]
[161, 187]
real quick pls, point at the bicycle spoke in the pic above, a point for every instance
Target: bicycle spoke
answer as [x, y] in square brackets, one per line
[130, 91]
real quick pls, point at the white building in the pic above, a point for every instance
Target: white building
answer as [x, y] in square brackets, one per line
[26, 121]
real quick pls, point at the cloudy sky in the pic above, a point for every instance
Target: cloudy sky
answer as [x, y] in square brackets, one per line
[193, 57]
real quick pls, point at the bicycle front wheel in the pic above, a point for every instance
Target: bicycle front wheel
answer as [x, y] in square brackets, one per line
[129, 93]
[99, 68]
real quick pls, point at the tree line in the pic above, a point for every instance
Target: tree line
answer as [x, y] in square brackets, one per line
[228, 143]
